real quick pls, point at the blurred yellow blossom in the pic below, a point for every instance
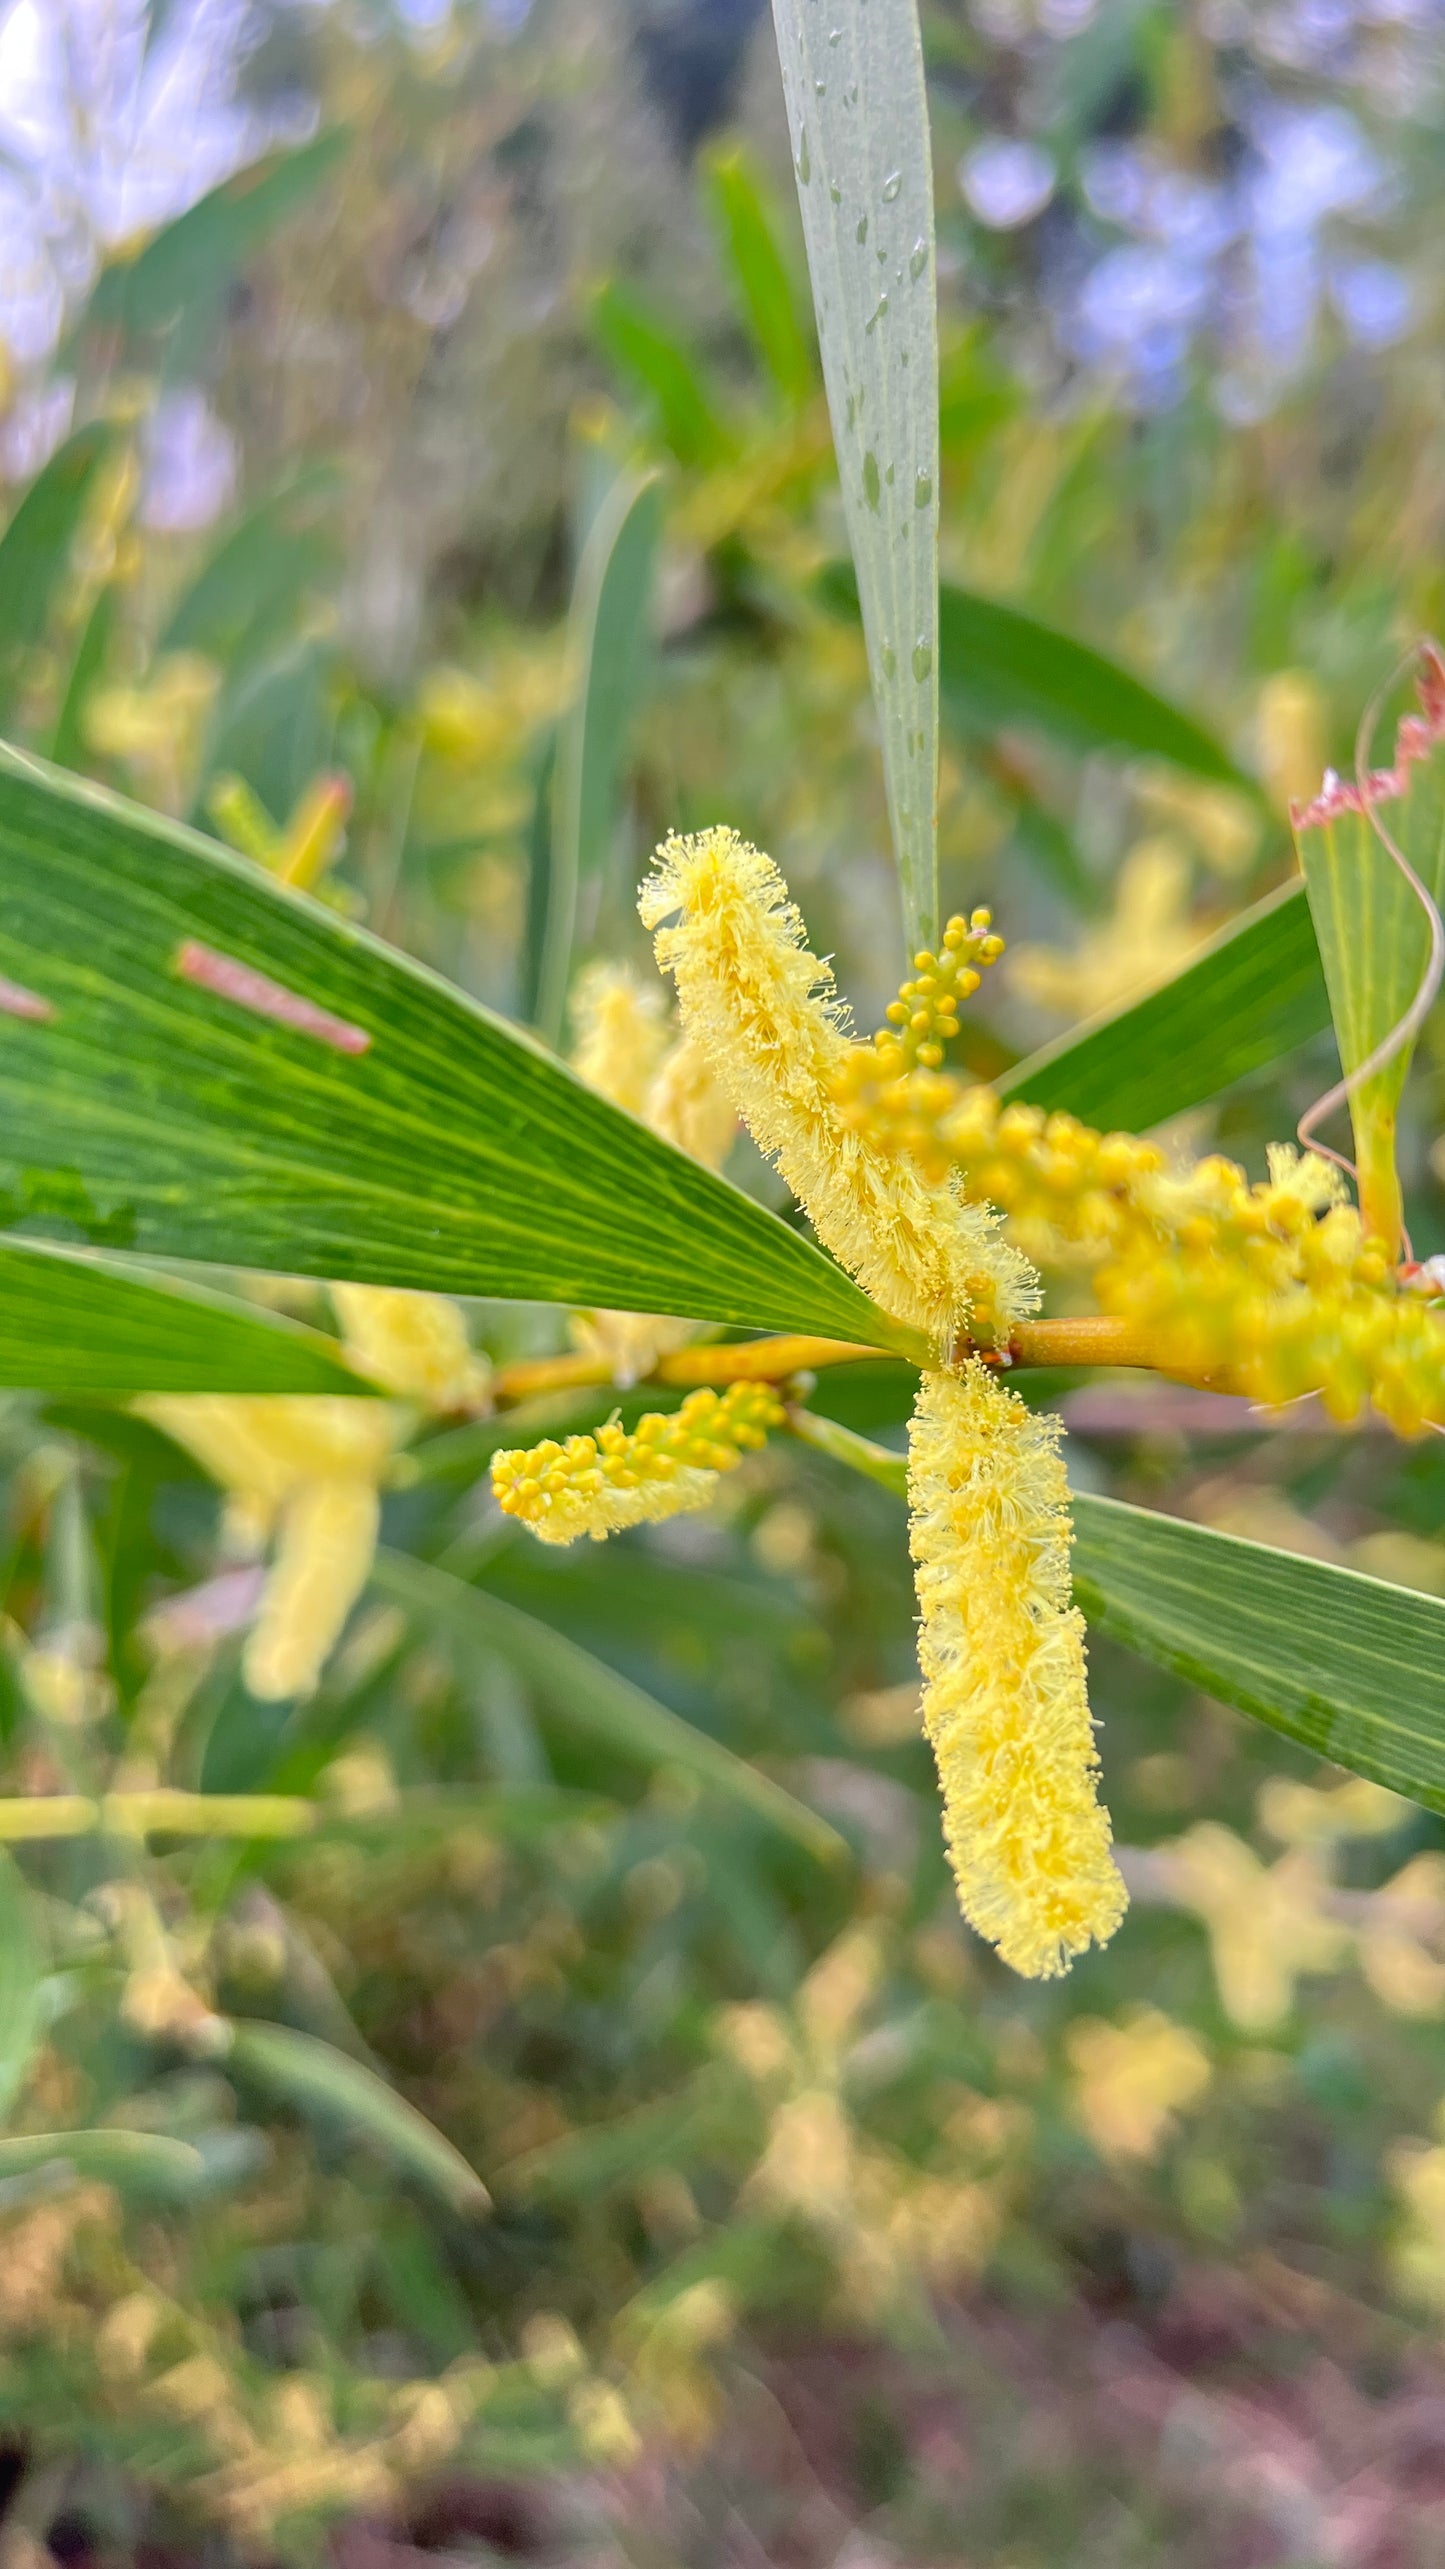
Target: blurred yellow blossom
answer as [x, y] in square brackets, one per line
[156, 728]
[1266, 1925]
[1132, 2079]
[1149, 934]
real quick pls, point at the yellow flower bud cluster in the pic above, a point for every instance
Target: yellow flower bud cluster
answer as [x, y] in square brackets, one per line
[1272, 1290]
[598, 1484]
[925, 1013]
[1001, 1648]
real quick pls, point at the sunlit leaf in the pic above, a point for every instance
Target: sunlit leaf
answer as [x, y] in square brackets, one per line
[858, 117]
[226, 1071]
[73, 1321]
[1251, 997]
[1375, 933]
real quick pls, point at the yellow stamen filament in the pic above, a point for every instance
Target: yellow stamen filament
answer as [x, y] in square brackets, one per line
[598, 1484]
[1002, 1654]
[761, 1009]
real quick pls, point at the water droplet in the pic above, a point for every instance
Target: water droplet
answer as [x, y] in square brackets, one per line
[803, 164]
[918, 261]
[875, 316]
[889, 660]
[835, 35]
[922, 490]
[891, 185]
[862, 233]
[852, 410]
[888, 477]
[835, 191]
[871, 485]
[850, 96]
[820, 88]
[922, 661]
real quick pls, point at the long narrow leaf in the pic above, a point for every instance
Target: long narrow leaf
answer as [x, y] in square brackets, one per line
[20, 1978]
[229, 1072]
[328, 2087]
[36, 546]
[73, 1322]
[193, 259]
[596, 1698]
[1250, 998]
[999, 668]
[1348, 1666]
[858, 116]
[609, 639]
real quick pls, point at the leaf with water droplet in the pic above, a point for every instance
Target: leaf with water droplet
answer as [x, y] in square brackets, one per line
[853, 81]
[803, 164]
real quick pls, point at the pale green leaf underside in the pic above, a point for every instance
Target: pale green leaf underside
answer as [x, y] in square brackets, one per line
[1374, 937]
[73, 1322]
[1251, 997]
[858, 116]
[451, 1153]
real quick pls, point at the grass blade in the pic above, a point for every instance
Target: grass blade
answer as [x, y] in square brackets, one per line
[596, 1698]
[1251, 997]
[381, 1126]
[858, 116]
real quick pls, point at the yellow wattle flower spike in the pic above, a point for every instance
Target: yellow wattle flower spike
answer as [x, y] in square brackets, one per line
[306, 1469]
[598, 1484]
[1002, 1653]
[618, 1033]
[761, 1010]
[413, 1344]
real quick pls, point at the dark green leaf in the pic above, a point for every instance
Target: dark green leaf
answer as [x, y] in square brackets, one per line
[397, 1133]
[642, 347]
[1348, 1666]
[1000, 669]
[610, 636]
[597, 1698]
[747, 226]
[72, 1321]
[1251, 997]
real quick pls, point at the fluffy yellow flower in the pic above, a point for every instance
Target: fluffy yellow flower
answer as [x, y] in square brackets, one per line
[668, 1466]
[1002, 1654]
[414, 1344]
[306, 1470]
[761, 1009]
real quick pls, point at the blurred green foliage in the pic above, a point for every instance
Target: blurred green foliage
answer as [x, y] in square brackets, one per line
[601, 2139]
